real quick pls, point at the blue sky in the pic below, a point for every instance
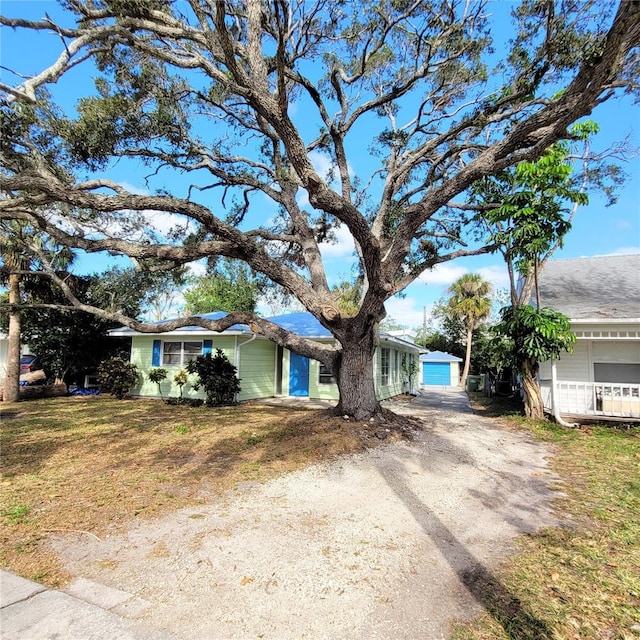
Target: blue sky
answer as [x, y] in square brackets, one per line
[597, 229]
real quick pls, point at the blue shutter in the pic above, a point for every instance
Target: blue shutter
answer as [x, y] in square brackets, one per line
[155, 358]
[207, 346]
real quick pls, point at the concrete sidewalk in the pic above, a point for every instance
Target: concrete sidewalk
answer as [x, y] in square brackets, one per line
[86, 611]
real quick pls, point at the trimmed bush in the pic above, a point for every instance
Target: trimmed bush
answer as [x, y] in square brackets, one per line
[157, 376]
[116, 376]
[217, 376]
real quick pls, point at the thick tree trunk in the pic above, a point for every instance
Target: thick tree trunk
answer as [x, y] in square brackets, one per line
[11, 392]
[533, 405]
[467, 359]
[356, 380]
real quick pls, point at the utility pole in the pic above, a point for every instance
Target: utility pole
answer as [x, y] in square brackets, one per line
[424, 325]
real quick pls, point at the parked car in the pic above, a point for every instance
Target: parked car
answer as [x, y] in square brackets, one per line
[29, 364]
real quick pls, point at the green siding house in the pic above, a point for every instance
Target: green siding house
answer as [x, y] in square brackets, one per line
[265, 369]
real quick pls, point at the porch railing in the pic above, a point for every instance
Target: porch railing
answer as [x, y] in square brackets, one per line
[618, 400]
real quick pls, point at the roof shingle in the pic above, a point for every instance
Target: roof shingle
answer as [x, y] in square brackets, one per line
[594, 287]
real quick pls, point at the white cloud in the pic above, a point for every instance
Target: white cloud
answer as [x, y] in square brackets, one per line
[321, 163]
[625, 251]
[198, 268]
[446, 274]
[442, 274]
[496, 274]
[162, 222]
[323, 166]
[342, 248]
[407, 312]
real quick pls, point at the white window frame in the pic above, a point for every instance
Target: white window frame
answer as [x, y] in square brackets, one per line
[184, 355]
[385, 365]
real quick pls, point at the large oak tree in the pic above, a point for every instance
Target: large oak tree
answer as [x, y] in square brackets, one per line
[248, 98]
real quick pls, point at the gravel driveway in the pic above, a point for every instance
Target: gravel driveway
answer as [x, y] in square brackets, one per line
[390, 544]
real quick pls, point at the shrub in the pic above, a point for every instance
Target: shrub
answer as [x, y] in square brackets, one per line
[116, 376]
[180, 379]
[157, 376]
[217, 376]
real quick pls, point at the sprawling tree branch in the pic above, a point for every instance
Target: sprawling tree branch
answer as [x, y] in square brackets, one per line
[288, 120]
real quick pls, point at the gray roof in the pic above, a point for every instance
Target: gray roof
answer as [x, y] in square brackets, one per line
[602, 287]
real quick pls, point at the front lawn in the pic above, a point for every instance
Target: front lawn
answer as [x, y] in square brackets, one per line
[93, 464]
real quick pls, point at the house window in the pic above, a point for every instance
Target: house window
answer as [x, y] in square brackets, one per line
[616, 373]
[396, 365]
[324, 375]
[385, 361]
[179, 353]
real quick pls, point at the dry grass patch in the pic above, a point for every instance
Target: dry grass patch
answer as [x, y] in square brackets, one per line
[93, 464]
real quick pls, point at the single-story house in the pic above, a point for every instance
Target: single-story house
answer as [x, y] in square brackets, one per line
[439, 369]
[265, 369]
[601, 297]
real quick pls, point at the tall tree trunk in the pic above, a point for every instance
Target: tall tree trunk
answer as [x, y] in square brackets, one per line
[356, 379]
[467, 359]
[533, 404]
[11, 391]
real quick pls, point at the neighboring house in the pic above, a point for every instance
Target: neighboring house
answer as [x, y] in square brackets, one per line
[4, 353]
[601, 296]
[264, 368]
[440, 369]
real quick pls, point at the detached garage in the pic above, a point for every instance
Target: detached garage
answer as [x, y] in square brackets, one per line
[440, 369]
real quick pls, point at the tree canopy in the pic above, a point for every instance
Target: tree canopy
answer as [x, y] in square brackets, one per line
[227, 287]
[267, 106]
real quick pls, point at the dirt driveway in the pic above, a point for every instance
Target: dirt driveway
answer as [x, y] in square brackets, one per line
[390, 544]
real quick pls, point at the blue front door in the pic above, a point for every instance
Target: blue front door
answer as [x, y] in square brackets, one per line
[298, 375]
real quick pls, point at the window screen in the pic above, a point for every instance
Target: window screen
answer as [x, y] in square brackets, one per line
[324, 375]
[614, 372]
[179, 353]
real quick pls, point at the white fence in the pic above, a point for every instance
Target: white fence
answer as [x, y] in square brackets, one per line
[594, 398]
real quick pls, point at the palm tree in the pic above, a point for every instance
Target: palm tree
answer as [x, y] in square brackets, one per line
[470, 304]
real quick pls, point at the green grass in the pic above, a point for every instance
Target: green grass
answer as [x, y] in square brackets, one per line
[16, 513]
[580, 581]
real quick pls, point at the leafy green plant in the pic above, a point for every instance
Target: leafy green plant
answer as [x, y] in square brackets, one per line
[180, 379]
[17, 513]
[527, 336]
[217, 376]
[116, 376]
[157, 376]
[410, 369]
